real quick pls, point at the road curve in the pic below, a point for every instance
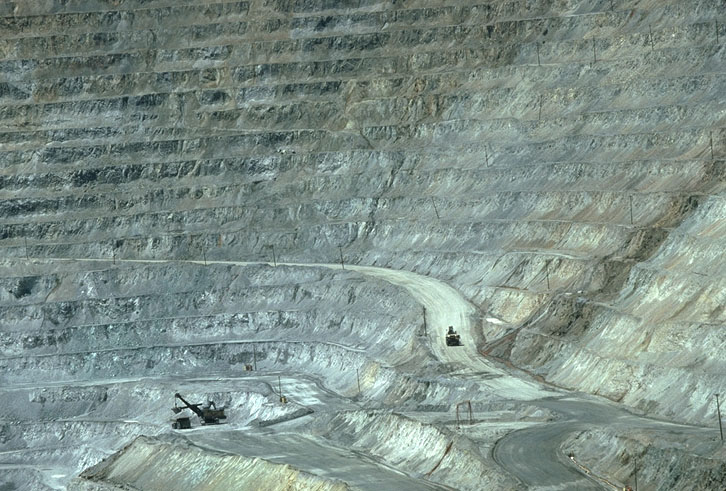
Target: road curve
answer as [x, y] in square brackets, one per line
[533, 455]
[444, 305]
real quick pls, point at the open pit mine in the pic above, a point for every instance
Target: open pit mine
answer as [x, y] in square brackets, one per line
[362, 245]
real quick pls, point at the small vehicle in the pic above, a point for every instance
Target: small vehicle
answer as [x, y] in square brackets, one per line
[207, 415]
[453, 338]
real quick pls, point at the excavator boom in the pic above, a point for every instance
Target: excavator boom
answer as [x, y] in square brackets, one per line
[210, 415]
[193, 407]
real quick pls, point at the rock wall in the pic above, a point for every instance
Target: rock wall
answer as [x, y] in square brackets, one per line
[524, 151]
[560, 162]
[139, 465]
[694, 464]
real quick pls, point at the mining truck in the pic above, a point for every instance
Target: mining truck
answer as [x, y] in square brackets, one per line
[452, 337]
[207, 415]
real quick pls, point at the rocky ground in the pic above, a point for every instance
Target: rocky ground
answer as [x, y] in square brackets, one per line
[182, 183]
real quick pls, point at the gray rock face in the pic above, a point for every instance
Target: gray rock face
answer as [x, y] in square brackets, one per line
[559, 163]
[672, 463]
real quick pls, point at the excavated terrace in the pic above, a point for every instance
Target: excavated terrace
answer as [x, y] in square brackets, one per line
[180, 182]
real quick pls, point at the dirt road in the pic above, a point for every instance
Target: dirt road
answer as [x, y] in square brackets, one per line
[534, 455]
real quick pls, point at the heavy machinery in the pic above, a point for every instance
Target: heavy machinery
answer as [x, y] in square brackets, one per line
[208, 415]
[452, 337]
[182, 423]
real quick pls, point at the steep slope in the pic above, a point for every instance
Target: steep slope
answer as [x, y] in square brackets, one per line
[557, 162]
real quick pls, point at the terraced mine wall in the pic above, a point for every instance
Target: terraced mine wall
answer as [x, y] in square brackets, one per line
[661, 466]
[559, 162]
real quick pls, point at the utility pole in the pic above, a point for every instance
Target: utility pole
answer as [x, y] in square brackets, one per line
[203, 247]
[254, 356]
[340, 249]
[710, 142]
[279, 387]
[631, 209]
[435, 209]
[718, 409]
[424, 317]
[547, 273]
[274, 258]
[539, 115]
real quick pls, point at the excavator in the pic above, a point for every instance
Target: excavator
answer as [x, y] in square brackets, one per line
[453, 338]
[207, 415]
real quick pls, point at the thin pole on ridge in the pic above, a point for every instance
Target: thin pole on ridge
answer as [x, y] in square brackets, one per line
[424, 320]
[539, 114]
[718, 409]
[547, 273]
[436, 210]
[631, 209]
